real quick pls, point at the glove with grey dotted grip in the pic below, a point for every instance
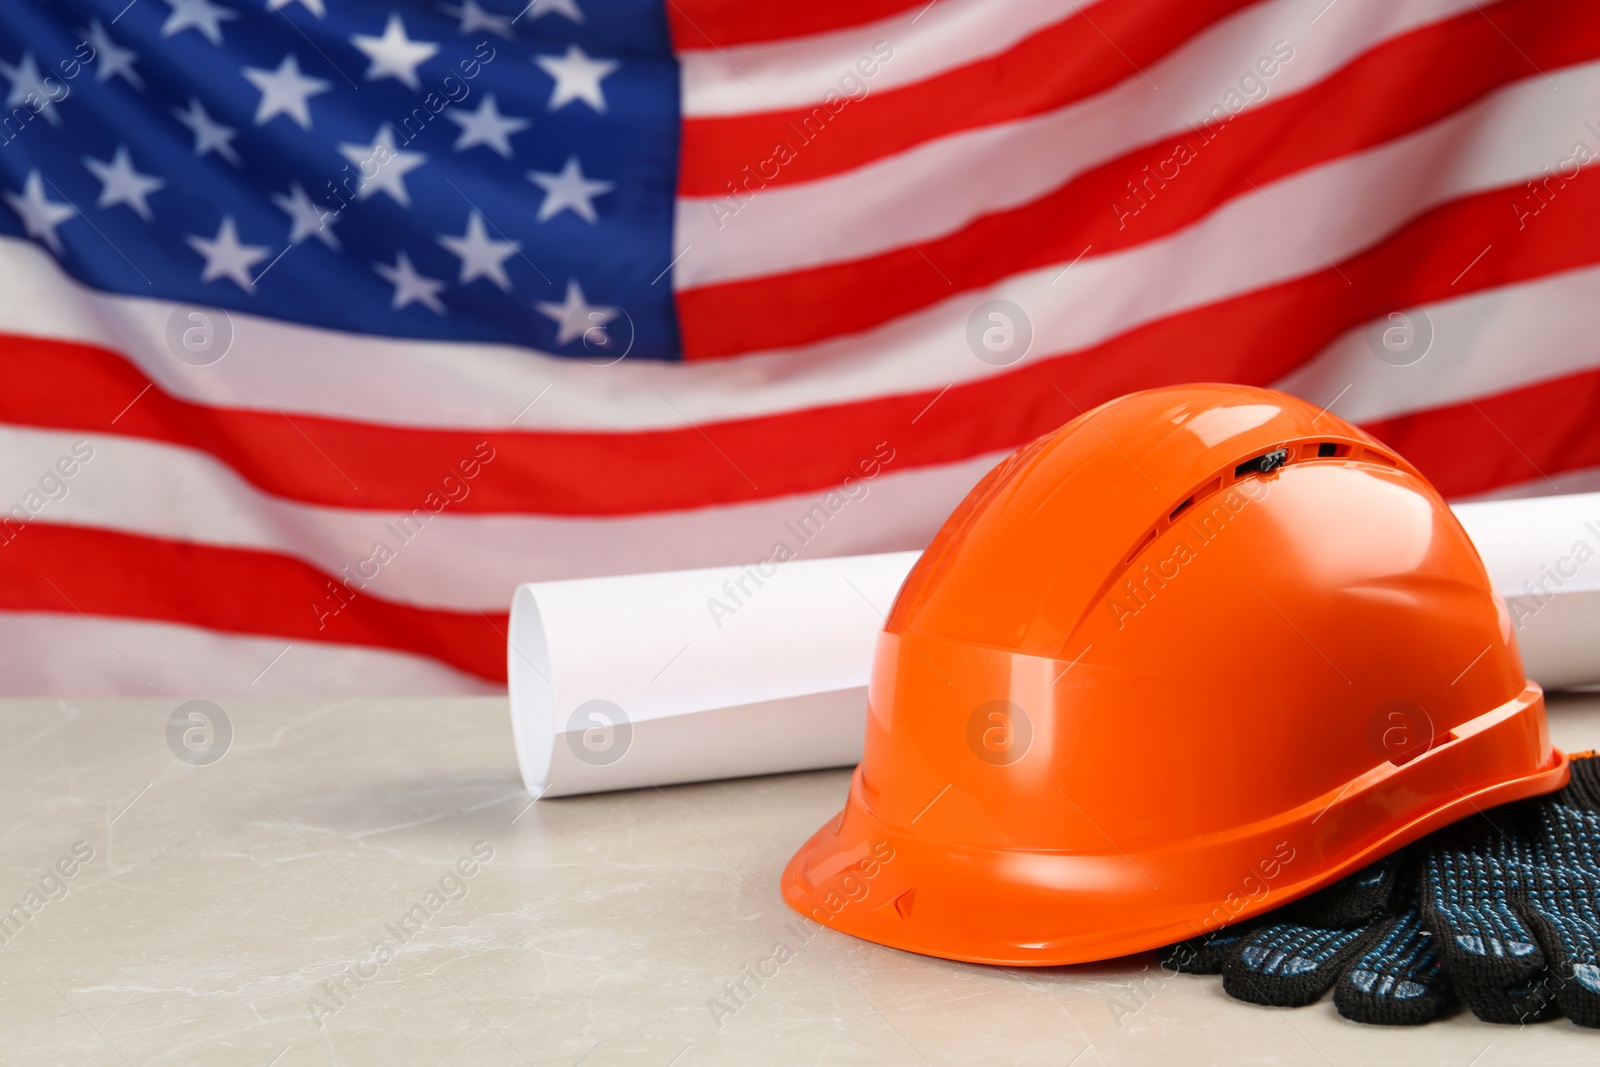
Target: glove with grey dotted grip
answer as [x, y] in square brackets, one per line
[1513, 898]
[1361, 937]
[1500, 911]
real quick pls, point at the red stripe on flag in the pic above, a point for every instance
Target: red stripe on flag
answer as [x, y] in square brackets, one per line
[1517, 436]
[1058, 65]
[700, 24]
[73, 570]
[1404, 85]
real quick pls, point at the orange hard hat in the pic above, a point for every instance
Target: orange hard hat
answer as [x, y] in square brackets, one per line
[1195, 654]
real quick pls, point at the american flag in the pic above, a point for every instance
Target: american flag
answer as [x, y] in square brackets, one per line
[324, 323]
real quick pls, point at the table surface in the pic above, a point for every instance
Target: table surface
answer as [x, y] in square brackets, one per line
[302, 901]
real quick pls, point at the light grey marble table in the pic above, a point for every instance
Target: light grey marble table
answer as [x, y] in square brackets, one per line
[365, 882]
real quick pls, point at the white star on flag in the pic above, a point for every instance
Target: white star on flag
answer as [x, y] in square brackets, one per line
[474, 18]
[411, 287]
[486, 126]
[209, 135]
[226, 258]
[285, 91]
[394, 55]
[575, 316]
[25, 82]
[569, 189]
[577, 77]
[539, 8]
[313, 6]
[120, 183]
[481, 257]
[40, 215]
[388, 164]
[201, 15]
[306, 219]
[110, 58]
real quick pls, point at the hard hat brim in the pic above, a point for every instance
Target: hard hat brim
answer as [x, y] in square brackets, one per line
[891, 885]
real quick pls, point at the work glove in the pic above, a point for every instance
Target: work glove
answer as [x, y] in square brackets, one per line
[1513, 899]
[1361, 936]
[1501, 911]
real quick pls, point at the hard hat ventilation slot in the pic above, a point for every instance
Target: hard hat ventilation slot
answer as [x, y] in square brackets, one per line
[1140, 547]
[1204, 491]
[1262, 464]
[1324, 450]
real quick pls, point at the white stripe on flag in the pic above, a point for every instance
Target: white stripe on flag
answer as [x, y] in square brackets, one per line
[1481, 344]
[158, 490]
[78, 656]
[782, 74]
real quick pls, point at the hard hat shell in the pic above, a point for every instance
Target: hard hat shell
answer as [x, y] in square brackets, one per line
[1195, 654]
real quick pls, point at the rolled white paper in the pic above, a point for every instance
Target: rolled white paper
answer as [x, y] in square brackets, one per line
[1544, 556]
[683, 676]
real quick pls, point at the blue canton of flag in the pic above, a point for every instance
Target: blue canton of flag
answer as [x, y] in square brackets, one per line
[428, 171]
